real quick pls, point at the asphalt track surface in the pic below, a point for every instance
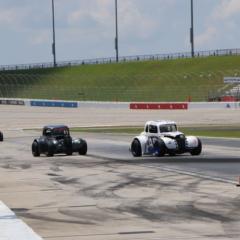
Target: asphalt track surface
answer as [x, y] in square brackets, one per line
[108, 194]
[220, 157]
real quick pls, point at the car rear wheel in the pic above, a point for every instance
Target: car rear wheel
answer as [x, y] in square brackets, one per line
[35, 149]
[83, 147]
[69, 152]
[136, 148]
[68, 145]
[197, 151]
[1, 136]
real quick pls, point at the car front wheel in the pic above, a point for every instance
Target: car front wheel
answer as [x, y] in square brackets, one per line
[197, 151]
[83, 147]
[35, 149]
[160, 145]
[136, 148]
[50, 151]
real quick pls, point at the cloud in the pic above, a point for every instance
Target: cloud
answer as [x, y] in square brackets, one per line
[226, 9]
[40, 37]
[220, 24]
[206, 37]
[133, 21]
[100, 12]
[10, 17]
[23, 17]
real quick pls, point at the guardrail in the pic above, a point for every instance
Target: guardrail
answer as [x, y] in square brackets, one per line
[153, 57]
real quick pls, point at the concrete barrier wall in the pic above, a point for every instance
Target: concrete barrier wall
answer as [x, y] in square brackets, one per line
[105, 105]
[214, 105]
[121, 105]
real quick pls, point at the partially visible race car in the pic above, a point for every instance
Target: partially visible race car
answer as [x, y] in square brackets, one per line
[1, 136]
[162, 137]
[56, 139]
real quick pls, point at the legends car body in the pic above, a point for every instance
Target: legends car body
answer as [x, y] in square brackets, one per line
[56, 139]
[1, 136]
[162, 137]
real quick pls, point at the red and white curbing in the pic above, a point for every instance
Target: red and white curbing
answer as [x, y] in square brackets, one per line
[12, 228]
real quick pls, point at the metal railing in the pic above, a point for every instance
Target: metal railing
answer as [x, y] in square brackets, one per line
[153, 57]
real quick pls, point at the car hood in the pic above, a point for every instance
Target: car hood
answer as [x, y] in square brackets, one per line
[172, 134]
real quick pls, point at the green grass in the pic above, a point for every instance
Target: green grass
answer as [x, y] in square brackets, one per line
[168, 80]
[213, 131]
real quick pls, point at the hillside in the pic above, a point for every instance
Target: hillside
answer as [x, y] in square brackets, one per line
[168, 80]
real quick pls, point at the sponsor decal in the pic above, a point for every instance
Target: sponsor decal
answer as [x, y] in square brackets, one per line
[53, 104]
[12, 102]
[231, 79]
[159, 106]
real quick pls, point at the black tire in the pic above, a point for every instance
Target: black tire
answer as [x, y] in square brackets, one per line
[68, 146]
[50, 151]
[1, 137]
[83, 147]
[160, 145]
[69, 152]
[136, 148]
[35, 149]
[197, 151]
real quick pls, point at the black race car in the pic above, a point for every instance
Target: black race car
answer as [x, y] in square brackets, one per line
[56, 139]
[1, 136]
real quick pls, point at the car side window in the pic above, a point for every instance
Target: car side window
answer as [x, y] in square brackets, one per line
[46, 132]
[146, 128]
[153, 129]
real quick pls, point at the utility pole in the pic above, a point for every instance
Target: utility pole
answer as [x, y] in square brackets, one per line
[116, 38]
[53, 44]
[192, 29]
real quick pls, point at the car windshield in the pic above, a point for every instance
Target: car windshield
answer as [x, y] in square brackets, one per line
[168, 128]
[56, 132]
[60, 132]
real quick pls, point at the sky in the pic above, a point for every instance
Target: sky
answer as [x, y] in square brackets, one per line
[85, 29]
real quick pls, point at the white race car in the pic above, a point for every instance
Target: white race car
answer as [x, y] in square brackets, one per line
[162, 137]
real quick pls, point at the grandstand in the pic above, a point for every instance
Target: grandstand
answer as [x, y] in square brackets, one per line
[186, 79]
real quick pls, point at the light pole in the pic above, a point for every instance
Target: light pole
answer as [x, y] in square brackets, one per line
[192, 30]
[53, 44]
[116, 22]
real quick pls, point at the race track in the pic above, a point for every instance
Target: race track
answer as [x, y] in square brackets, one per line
[108, 194]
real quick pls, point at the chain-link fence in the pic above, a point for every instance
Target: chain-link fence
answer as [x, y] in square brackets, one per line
[195, 86]
[179, 80]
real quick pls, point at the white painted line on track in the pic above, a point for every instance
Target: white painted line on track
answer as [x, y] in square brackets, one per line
[12, 228]
[193, 174]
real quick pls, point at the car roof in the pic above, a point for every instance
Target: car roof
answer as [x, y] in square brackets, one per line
[55, 126]
[159, 122]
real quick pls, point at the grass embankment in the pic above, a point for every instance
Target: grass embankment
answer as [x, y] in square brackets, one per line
[168, 80]
[220, 131]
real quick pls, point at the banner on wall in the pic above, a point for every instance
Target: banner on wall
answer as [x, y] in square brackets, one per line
[232, 80]
[53, 104]
[12, 102]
